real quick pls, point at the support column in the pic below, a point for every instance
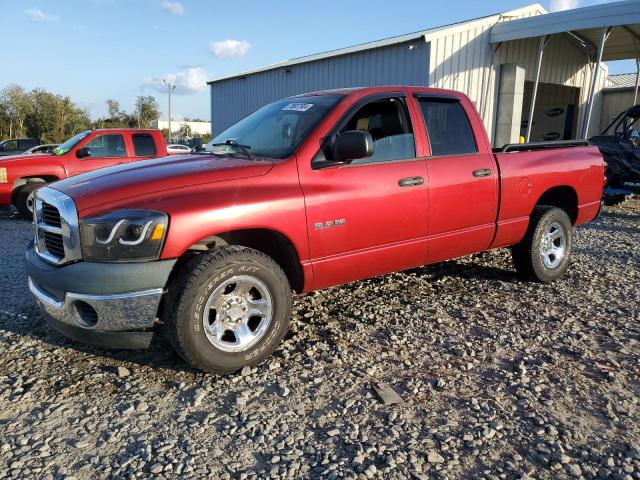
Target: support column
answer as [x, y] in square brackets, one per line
[543, 43]
[594, 80]
[509, 108]
[635, 95]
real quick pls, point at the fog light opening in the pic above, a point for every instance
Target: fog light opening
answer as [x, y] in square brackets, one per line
[86, 316]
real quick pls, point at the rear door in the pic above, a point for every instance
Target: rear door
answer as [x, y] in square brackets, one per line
[106, 149]
[368, 217]
[463, 178]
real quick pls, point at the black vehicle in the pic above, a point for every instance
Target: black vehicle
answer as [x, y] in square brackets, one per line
[16, 146]
[620, 147]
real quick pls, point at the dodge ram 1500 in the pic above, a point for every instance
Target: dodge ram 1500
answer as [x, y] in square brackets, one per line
[306, 193]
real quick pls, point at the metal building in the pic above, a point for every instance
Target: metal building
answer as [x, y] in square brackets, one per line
[620, 93]
[505, 63]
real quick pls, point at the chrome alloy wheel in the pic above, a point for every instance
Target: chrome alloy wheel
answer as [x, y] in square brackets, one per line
[553, 246]
[237, 313]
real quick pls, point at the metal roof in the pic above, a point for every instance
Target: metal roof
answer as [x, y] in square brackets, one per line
[621, 81]
[420, 35]
[586, 23]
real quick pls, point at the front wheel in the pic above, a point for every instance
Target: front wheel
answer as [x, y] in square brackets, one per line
[544, 252]
[228, 309]
[21, 199]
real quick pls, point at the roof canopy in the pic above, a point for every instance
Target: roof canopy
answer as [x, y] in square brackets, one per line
[584, 23]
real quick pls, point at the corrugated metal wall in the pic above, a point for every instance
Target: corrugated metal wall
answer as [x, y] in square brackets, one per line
[401, 64]
[462, 59]
[613, 103]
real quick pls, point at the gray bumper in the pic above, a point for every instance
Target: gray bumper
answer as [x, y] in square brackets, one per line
[106, 304]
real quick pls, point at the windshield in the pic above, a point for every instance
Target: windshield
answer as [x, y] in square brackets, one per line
[274, 131]
[72, 142]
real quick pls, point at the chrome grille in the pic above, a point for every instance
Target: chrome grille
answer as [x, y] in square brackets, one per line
[51, 215]
[56, 226]
[54, 243]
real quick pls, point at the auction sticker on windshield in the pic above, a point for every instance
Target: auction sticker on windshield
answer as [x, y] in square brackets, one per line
[298, 107]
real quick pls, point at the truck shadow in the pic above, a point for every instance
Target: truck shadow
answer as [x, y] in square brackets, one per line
[466, 270]
[31, 323]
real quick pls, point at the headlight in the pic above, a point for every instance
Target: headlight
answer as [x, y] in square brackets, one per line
[4, 178]
[123, 236]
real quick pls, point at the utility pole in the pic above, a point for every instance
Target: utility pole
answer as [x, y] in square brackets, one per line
[169, 88]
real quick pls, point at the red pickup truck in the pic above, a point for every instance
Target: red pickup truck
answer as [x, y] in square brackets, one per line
[86, 151]
[307, 192]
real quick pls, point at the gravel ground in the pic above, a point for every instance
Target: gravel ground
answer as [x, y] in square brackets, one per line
[498, 378]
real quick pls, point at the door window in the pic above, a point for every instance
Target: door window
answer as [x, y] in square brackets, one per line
[388, 123]
[448, 127]
[143, 145]
[10, 145]
[387, 120]
[106, 146]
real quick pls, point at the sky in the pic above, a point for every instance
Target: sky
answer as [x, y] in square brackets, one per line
[92, 50]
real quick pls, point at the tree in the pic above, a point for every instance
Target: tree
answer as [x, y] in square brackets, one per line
[185, 131]
[113, 106]
[17, 105]
[147, 110]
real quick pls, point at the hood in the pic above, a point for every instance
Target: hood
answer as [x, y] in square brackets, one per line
[160, 175]
[12, 159]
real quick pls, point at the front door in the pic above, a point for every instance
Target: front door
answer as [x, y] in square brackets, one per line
[463, 179]
[106, 150]
[368, 217]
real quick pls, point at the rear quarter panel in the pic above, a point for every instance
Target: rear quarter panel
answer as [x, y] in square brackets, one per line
[526, 176]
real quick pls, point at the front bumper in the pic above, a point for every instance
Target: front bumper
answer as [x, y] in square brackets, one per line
[105, 304]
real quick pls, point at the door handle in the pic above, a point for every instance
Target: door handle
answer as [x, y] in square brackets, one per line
[482, 172]
[411, 181]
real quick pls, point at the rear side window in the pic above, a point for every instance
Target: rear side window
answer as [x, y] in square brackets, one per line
[143, 145]
[448, 127]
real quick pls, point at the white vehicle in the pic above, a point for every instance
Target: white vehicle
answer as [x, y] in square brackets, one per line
[47, 148]
[177, 149]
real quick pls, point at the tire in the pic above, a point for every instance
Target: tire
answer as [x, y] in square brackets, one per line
[549, 228]
[20, 198]
[214, 282]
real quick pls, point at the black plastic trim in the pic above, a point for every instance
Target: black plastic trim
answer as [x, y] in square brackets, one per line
[134, 340]
[93, 278]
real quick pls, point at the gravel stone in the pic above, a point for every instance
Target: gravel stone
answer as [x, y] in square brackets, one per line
[499, 378]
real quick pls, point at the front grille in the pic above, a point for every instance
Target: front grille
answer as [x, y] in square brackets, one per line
[53, 243]
[57, 239]
[51, 215]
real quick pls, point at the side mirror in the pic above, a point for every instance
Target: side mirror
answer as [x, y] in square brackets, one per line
[83, 152]
[2, 148]
[352, 145]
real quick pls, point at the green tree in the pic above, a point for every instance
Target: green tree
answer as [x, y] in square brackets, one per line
[147, 110]
[17, 105]
[185, 131]
[113, 107]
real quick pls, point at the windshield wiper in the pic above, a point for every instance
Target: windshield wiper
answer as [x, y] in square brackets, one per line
[246, 149]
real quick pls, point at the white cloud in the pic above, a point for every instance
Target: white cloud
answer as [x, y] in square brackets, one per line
[37, 15]
[190, 80]
[174, 8]
[229, 48]
[559, 5]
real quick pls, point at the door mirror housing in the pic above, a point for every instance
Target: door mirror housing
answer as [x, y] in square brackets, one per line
[83, 152]
[351, 145]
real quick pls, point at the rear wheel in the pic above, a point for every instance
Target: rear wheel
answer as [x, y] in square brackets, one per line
[544, 252]
[228, 309]
[21, 199]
